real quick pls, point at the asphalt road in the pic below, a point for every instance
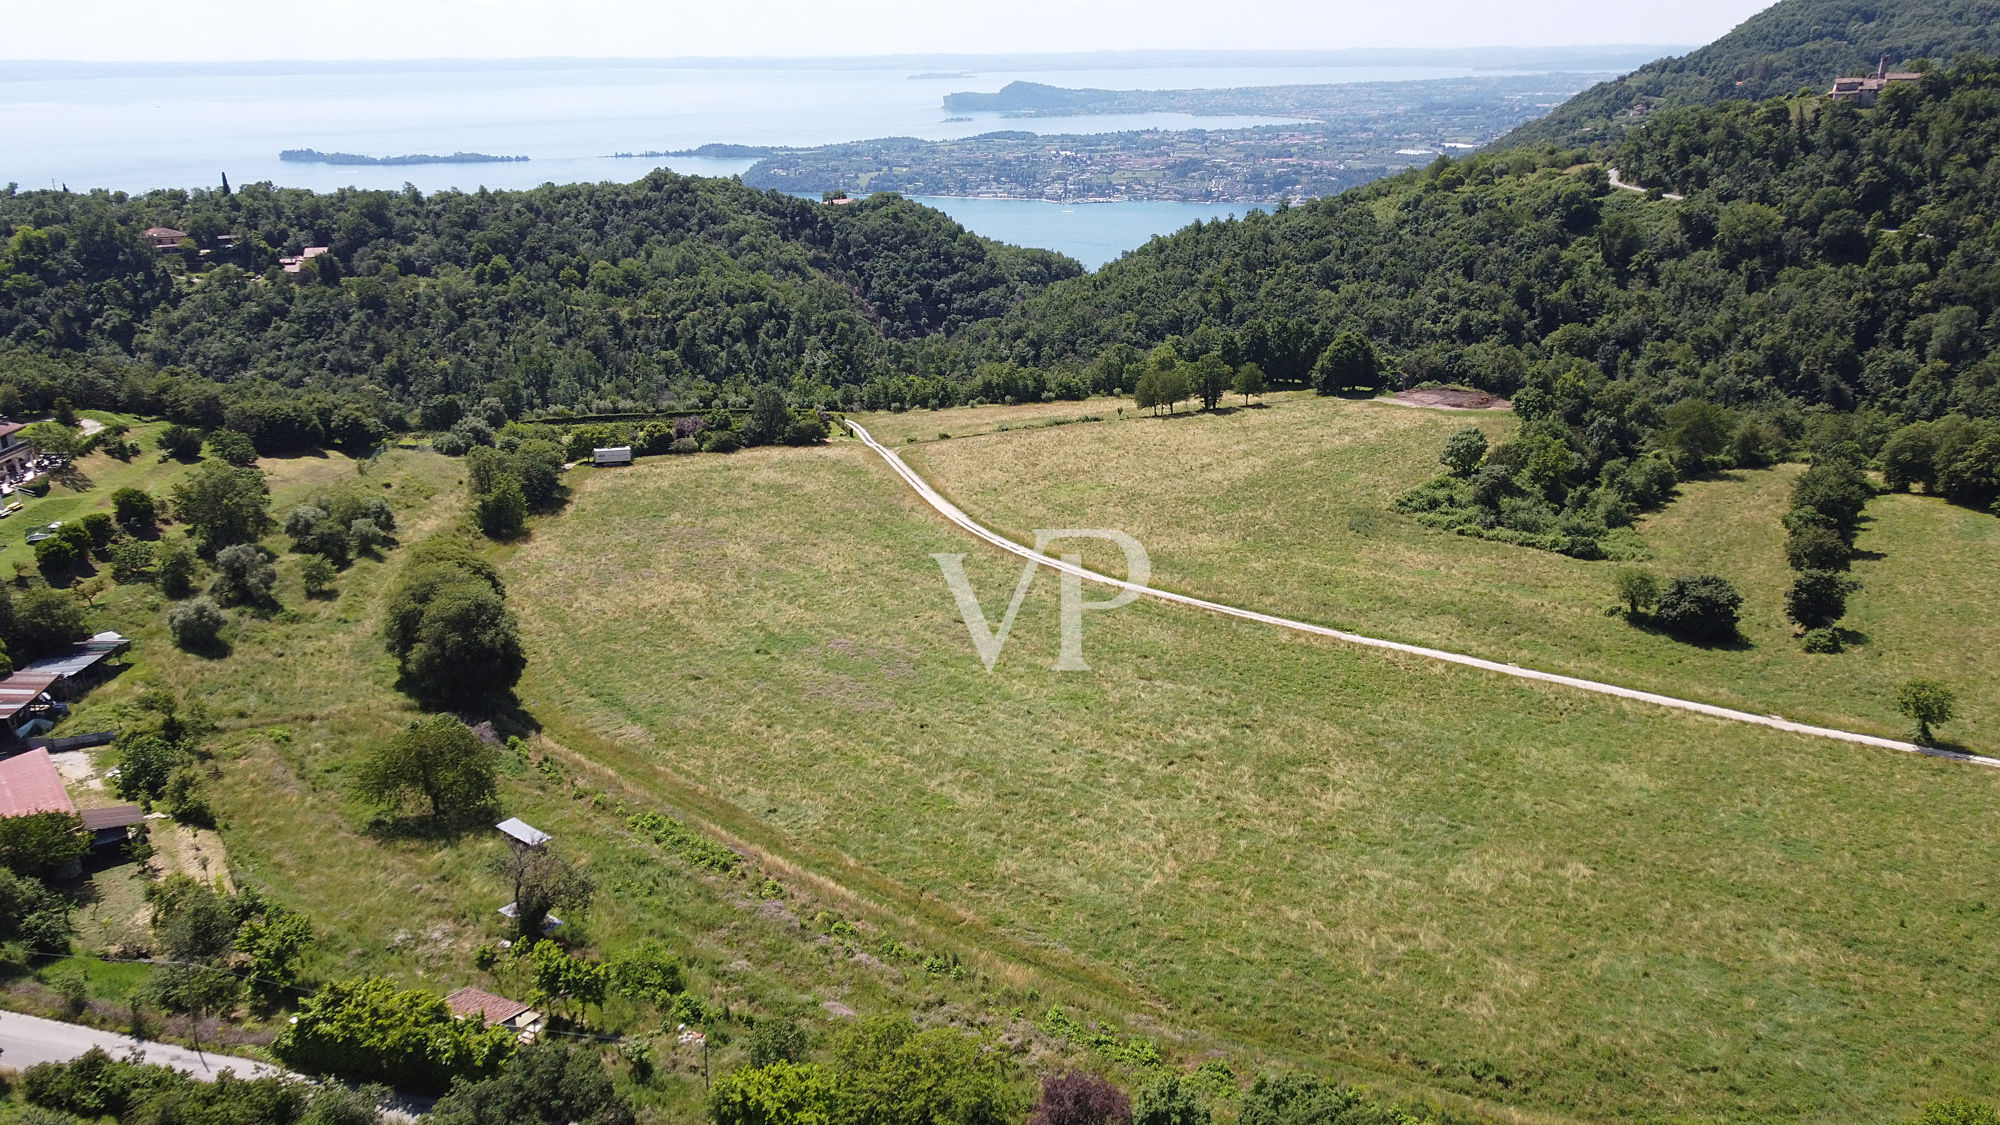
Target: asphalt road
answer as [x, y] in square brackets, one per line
[27, 1040]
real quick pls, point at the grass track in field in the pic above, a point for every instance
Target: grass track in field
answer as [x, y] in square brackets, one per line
[1336, 853]
[1287, 510]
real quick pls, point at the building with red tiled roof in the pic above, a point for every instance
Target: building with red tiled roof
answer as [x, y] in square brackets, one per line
[163, 238]
[1864, 92]
[497, 1011]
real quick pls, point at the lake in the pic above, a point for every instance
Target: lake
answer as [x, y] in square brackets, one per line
[137, 133]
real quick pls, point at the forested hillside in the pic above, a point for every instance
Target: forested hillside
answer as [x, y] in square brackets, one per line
[1793, 45]
[671, 288]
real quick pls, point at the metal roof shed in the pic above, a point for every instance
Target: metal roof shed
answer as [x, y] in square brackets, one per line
[523, 832]
[614, 455]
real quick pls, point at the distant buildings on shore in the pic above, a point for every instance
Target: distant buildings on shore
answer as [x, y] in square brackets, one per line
[1864, 92]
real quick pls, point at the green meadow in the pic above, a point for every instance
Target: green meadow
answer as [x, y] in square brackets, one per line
[1429, 879]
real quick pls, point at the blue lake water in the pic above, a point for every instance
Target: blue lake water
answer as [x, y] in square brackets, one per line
[134, 134]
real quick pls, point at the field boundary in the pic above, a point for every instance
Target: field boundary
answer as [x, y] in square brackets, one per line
[965, 522]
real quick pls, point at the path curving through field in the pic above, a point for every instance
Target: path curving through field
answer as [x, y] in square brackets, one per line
[953, 513]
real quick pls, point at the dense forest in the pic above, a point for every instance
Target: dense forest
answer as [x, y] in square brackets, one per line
[1794, 45]
[670, 289]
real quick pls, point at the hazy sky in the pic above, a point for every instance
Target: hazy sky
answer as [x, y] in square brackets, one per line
[348, 29]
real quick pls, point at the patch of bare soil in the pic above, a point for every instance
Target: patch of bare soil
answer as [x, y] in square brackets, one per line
[1438, 398]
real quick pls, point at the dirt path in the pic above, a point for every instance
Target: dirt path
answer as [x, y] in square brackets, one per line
[952, 512]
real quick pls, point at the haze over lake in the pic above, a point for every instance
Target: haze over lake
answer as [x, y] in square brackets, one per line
[133, 129]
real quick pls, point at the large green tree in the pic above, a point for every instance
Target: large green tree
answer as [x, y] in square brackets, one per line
[436, 761]
[223, 504]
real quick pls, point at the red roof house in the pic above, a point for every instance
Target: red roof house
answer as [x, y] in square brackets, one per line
[29, 783]
[496, 1011]
[163, 238]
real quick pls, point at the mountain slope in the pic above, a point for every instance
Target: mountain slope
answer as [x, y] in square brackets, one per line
[1791, 45]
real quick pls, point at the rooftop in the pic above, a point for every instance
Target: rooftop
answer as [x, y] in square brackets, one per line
[523, 831]
[468, 1002]
[29, 783]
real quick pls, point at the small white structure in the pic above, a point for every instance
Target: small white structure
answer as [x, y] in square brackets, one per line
[523, 833]
[550, 924]
[616, 455]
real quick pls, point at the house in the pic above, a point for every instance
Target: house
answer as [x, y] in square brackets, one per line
[496, 1011]
[14, 452]
[616, 455]
[30, 784]
[163, 238]
[523, 833]
[292, 265]
[1864, 92]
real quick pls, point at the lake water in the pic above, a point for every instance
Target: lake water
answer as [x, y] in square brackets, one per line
[138, 133]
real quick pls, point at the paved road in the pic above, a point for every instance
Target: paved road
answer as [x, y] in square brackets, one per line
[1618, 183]
[952, 512]
[27, 1040]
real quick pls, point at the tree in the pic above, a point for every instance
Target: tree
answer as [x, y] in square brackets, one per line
[1639, 589]
[648, 973]
[1696, 430]
[1699, 607]
[64, 414]
[145, 762]
[1210, 378]
[243, 575]
[769, 417]
[232, 448]
[182, 443]
[544, 881]
[1818, 598]
[58, 556]
[131, 560]
[1927, 702]
[437, 760]
[893, 1074]
[1080, 1099]
[1349, 361]
[274, 943]
[503, 511]
[545, 1083]
[1249, 380]
[43, 843]
[98, 526]
[468, 648]
[174, 568]
[1169, 1101]
[33, 913]
[781, 1093]
[1171, 386]
[561, 979]
[1836, 489]
[1464, 451]
[224, 504]
[1816, 546]
[45, 621]
[317, 574]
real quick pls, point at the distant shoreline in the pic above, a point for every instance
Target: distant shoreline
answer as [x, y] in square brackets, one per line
[314, 156]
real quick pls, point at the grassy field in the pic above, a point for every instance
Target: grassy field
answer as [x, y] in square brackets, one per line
[1287, 510]
[305, 687]
[1423, 876]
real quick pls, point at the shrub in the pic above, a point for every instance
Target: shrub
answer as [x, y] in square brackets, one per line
[776, 1039]
[1464, 451]
[1818, 598]
[45, 621]
[1700, 607]
[43, 843]
[232, 448]
[131, 560]
[58, 556]
[174, 568]
[243, 575]
[1081, 1099]
[372, 1031]
[145, 763]
[196, 624]
[684, 446]
[1822, 641]
[1815, 546]
[317, 574]
[1639, 589]
[182, 443]
[98, 526]
[185, 800]
[1170, 1101]
[1296, 1099]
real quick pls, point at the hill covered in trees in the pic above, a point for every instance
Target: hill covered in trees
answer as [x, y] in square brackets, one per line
[670, 288]
[1793, 45]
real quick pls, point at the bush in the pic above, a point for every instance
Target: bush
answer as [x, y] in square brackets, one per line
[776, 1039]
[99, 527]
[1928, 702]
[174, 568]
[182, 443]
[1170, 1101]
[721, 441]
[243, 575]
[232, 448]
[317, 574]
[1639, 589]
[372, 1031]
[684, 446]
[185, 800]
[1304, 1099]
[1701, 607]
[1464, 451]
[1081, 1099]
[1818, 598]
[196, 624]
[43, 843]
[1816, 546]
[1822, 641]
[131, 560]
[45, 621]
[145, 763]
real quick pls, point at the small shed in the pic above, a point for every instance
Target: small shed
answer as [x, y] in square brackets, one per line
[498, 1011]
[111, 826]
[30, 784]
[523, 833]
[615, 455]
[550, 924]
